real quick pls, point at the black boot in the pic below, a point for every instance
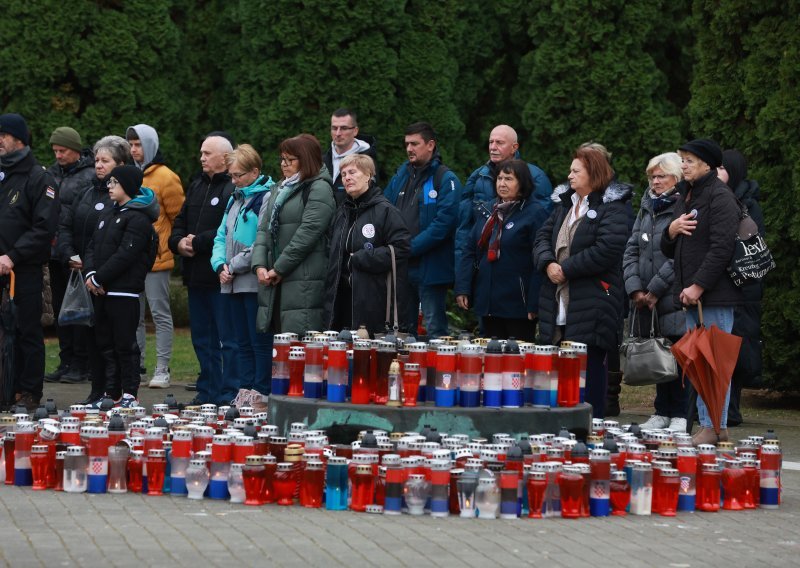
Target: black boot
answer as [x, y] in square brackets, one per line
[612, 393]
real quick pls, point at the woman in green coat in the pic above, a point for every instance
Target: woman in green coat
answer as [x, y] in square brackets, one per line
[290, 252]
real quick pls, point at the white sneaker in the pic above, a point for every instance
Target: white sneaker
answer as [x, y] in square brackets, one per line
[160, 378]
[677, 425]
[656, 422]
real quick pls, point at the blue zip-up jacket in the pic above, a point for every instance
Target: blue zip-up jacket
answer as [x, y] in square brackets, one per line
[480, 188]
[509, 286]
[433, 247]
[236, 234]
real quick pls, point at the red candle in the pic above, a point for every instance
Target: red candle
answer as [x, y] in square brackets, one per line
[360, 390]
[620, 494]
[411, 379]
[156, 465]
[570, 483]
[312, 487]
[135, 463]
[363, 488]
[537, 483]
[297, 364]
[39, 467]
[284, 483]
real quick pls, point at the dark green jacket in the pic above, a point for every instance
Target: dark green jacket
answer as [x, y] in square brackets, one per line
[297, 251]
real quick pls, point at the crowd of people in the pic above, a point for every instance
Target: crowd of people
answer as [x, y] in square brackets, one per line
[325, 247]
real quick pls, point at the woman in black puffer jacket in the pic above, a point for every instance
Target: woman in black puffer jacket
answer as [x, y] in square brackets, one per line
[580, 250]
[364, 226]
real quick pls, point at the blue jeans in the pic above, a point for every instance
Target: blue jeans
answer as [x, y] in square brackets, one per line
[722, 317]
[215, 351]
[254, 349]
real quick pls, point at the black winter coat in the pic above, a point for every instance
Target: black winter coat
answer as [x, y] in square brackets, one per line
[363, 229]
[121, 251]
[200, 215]
[29, 207]
[79, 221]
[703, 257]
[75, 179]
[593, 269]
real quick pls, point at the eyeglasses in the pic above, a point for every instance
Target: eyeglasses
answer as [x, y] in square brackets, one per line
[288, 161]
[342, 128]
[658, 177]
[112, 183]
[236, 176]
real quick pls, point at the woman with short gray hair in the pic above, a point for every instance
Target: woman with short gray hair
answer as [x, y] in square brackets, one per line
[649, 277]
[75, 229]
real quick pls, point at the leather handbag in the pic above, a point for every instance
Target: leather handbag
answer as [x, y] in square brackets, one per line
[392, 319]
[646, 360]
[752, 259]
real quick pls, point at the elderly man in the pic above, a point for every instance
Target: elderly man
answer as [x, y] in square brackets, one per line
[192, 239]
[503, 145]
[28, 220]
[73, 170]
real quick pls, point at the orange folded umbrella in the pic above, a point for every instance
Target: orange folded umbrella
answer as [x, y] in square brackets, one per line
[708, 357]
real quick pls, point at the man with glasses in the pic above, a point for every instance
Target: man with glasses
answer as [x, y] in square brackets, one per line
[29, 209]
[192, 239]
[345, 140]
[168, 189]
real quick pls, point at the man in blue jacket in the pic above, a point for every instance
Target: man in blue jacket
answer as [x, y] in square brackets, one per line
[503, 145]
[427, 194]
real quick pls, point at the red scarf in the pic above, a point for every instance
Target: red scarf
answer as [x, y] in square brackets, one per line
[500, 212]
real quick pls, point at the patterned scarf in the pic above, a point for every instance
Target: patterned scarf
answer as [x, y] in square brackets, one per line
[500, 212]
[661, 202]
[284, 191]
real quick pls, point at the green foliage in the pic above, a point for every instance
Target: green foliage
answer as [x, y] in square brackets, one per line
[639, 76]
[745, 94]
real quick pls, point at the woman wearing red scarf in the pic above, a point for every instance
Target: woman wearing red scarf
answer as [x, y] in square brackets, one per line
[496, 276]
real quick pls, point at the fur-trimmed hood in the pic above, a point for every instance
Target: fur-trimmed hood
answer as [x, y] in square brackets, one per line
[616, 191]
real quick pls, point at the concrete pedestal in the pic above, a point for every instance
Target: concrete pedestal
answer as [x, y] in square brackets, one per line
[343, 421]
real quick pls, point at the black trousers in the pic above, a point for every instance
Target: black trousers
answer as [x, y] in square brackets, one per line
[116, 320]
[503, 328]
[29, 341]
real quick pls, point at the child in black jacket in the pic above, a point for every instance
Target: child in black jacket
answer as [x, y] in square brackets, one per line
[118, 258]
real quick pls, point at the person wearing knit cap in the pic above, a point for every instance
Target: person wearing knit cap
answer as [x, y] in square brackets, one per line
[121, 253]
[29, 207]
[73, 170]
[701, 238]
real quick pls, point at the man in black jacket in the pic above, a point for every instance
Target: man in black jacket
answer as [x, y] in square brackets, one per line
[345, 140]
[73, 170]
[193, 239]
[28, 219]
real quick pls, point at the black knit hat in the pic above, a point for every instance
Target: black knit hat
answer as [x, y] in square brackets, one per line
[129, 177]
[13, 123]
[705, 149]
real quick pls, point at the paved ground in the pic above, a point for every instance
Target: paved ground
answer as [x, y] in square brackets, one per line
[57, 529]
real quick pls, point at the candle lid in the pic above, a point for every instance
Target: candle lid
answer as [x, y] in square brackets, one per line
[286, 466]
[39, 449]
[156, 453]
[619, 476]
[314, 465]
[76, 451]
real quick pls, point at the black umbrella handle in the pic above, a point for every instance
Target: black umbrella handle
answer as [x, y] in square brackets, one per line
[700, 313]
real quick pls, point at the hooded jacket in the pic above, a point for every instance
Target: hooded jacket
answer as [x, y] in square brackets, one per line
[78, 222]
[298, 251]
[167, 187]
[479, 188]
[362, 231]
[233, 244]
[703, 257]
[432, 249]
[364, 145]
[201, 213]
[508, 287]
[593, 268]
[120, 254]
[646, 268]
[29, 208]
[75, 179]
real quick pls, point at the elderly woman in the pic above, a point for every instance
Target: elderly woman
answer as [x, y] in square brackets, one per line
[701, 238]
[648, 281]
[496, 274]
[290, 253]
[230, 259]
[580, 248]
[76, 225]
[364, 227]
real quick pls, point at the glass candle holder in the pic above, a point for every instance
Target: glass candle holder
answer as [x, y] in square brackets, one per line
[487, 498]
[417, 492]
[197, 478]
[537, 485]
[39, 462]
[118, 468]
[253, 476]
[156, 468]
[236, 483]
[620, 493]
[284, 483]
[570, 484]
[312, 485]
[135, 471]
